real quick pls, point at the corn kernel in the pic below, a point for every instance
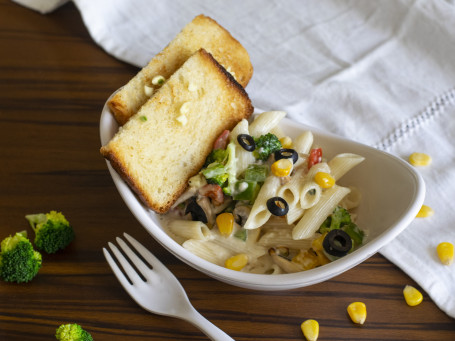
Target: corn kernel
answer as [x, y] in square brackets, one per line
[225, 223]
[316, 244]
[419, 159]
[286, 142]
[237, 262]
[322, 258]
[412, 296]
[425, 212]
[306, 259]
[282, 167]
[445, 252]
[357, 312]
[324, 180]
[310, 329]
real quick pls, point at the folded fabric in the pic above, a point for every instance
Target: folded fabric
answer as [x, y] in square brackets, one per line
[369, 71]
[414, 250]
[42, 6]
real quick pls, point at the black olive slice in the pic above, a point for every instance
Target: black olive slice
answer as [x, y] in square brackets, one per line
[246, 141]
[277, 206]
[197, 213]
[286, 153]
[337, 243]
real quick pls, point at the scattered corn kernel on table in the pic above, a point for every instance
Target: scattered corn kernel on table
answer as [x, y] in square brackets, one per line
[54, 80]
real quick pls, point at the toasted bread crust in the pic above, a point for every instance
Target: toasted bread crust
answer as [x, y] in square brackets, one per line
[229, 78]
[227, 103]
[136, 186]
[201, 32]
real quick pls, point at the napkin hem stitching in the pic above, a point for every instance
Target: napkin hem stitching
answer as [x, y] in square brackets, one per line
[434, 109]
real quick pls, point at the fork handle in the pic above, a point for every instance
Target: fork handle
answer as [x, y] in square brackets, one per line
[207, 327]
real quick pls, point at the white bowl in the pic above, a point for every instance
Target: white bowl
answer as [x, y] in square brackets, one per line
[392, 194]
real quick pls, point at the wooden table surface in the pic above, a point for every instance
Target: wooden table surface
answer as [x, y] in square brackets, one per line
[54, 81]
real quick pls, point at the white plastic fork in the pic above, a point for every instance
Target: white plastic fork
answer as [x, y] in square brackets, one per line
[161, 292]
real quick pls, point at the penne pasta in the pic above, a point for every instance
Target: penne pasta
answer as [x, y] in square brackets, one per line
[284, 242]
[283, 237]
[315, 216]
[352, 200]
[294, 214]
[263, 265]
[310, 194]
[243, 158]
[277, 131]
[188, 229]
[342, 163]
[265, 122]
[240, 128]
[259, 212]
[302, 143]
[275, 222]
[290, 191]
[237, 246]
[319, 167]
[208, 250]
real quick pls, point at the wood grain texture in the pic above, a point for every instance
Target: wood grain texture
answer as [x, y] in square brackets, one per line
[54, 81]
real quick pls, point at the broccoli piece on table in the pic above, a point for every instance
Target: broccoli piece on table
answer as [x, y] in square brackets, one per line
[18, 261]
[52, 231]
[72, 332]
[266, 145]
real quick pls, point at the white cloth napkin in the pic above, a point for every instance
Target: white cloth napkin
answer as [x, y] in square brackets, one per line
[379, 72]
[42, 6]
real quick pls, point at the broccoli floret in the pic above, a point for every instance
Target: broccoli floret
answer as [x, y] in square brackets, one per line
[220, 168]
[355, 233]
[219, 180]
[266, 145]
[216, 155]
[215, 173]
[213, 170]
[18, 261]
[72, 332]
[338, 218]
[341, 219]
[52, 231]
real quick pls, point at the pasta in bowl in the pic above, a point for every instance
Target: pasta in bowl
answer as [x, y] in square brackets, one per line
[248, 241]
[268, 203]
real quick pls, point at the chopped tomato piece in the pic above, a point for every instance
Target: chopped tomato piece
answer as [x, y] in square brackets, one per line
[315, 157]
[214, 192]
[221, 141]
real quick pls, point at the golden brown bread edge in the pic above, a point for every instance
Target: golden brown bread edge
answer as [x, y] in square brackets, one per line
[230, 124]
[228, 51]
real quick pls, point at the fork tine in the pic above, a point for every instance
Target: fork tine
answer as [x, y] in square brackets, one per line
[151, 259]
[129, 270]
[140, 265]
[115, 269]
